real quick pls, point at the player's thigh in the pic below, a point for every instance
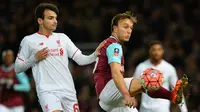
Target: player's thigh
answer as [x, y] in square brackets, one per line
[50, 102]
[70, 105]
[3, 108]
[111, 93]
[124, 109]
[110, 96]
[17, 109]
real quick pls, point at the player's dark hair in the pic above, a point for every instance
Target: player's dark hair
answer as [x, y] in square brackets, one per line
[120, 16]
[39, 11]
[154, 42]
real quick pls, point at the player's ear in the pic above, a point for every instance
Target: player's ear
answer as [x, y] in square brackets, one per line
[115, 28]
[40, 21]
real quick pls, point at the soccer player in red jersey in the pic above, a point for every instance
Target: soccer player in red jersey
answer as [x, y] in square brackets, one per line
[115, 92]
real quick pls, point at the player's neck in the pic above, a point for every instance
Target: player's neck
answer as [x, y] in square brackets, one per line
[116, 37]
[155, 62]
[42, 31]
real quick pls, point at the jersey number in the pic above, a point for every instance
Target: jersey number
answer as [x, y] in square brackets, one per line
[76, 108]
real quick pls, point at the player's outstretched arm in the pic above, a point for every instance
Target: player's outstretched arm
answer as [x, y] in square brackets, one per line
[81, 59]
[97, 51]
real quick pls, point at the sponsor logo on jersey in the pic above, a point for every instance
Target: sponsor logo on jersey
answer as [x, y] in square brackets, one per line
[58, 42]
[56, 52]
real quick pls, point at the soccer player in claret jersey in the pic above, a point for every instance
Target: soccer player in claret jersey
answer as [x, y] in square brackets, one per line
[156, 52]
[47, 53]
[12, 84]
[115, 92]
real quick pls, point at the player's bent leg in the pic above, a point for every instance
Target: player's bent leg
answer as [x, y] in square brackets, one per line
[177, 93]
[3, 108]
[110, 97]
[50, 102]
[135, 87]
[17, 109]
[175, 96]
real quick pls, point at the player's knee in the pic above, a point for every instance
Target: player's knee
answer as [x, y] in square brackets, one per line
[135, 86]
[136, 82]
[57, 111]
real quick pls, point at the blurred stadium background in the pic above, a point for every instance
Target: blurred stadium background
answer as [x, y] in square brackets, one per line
[87, 22]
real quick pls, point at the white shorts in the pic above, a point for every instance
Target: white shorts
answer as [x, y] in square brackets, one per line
[3, 108]
[13, 109]
[111, 99]
[51, 101]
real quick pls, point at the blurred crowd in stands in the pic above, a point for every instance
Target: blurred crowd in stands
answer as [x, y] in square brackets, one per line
[174, 22]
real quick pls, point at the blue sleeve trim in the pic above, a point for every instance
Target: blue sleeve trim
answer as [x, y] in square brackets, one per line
[24, 85]
[114, 53]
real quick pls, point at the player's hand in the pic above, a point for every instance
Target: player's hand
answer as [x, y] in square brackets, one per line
[135, 102]
[129, 101]
[97, 51]
[41, 54]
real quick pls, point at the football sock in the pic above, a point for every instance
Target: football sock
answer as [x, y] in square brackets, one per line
[160, 93]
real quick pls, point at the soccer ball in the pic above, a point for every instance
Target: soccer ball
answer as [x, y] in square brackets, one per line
[151, 79]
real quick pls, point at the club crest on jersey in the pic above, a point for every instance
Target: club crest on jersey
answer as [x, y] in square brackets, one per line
[116, 51]
[58, 42]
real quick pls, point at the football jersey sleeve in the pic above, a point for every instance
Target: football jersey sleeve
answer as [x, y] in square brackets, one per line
[72, 50]
[23, 52]
[24, 59]
[114, 53]
[76, 54]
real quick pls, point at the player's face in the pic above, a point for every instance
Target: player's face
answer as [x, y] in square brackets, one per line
[124, 30]
[156, 52]
[8, 59]
[49, 22]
